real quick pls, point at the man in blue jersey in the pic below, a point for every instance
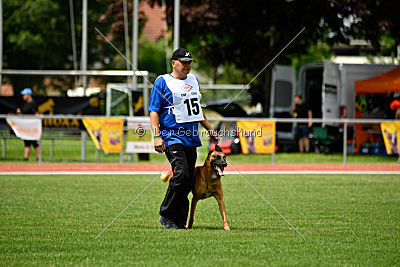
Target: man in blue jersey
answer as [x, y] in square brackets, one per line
[175, 113]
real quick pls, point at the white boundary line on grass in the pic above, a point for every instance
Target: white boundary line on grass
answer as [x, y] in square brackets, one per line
[226, 172]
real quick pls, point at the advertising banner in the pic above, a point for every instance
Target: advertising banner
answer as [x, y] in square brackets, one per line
[257, 137]
[26, 129]
[391, 136]
[107, 134]
[140, 138]
[55, 105]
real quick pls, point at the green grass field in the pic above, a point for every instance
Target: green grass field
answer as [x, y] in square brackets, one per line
[347, 220]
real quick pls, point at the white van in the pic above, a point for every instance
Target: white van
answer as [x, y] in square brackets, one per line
[327, 87]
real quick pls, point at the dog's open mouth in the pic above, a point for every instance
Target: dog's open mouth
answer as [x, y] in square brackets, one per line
[219, 170]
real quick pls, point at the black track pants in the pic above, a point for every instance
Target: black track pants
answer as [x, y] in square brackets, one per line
[176, 204]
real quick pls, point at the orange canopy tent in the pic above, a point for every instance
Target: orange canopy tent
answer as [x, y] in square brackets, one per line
[381, 84]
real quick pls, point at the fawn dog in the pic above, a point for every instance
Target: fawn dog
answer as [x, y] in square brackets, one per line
[207, 183]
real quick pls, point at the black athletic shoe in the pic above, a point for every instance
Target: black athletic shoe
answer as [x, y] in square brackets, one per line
[168, 224]
[181, 225]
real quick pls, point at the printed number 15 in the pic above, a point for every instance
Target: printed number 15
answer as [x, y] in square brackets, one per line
[192, 106]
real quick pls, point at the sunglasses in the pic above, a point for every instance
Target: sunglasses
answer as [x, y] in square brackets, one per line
[186, 62]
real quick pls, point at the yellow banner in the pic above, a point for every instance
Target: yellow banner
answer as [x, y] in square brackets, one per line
[257, 137]
[391, 136]
[107, 134]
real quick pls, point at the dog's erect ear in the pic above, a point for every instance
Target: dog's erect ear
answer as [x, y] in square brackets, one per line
[217, 148]
[209, 153]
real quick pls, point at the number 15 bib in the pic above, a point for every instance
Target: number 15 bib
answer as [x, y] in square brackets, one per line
[186, 97]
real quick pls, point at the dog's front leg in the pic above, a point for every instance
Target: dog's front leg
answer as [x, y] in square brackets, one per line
[222, 209]
[191, 216]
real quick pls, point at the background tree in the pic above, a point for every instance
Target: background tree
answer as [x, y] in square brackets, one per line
[243, 35]
[151, 56]
[33, 38]
[37, 35]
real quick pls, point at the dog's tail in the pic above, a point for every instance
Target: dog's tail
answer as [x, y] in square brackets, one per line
[165, 176]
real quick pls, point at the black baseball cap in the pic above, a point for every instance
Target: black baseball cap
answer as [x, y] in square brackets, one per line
[182, 54]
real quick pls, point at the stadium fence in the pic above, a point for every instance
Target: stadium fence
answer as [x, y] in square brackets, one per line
[75, 145]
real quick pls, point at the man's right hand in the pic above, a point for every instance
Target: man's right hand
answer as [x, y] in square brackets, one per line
[18, 111]
[214, 136]
[159, 145]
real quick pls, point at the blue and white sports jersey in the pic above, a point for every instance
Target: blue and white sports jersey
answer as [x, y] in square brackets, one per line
[177, 100]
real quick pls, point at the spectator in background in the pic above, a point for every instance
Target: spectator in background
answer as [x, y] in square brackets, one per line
[395, 105]
[30, 108]
[301, 110]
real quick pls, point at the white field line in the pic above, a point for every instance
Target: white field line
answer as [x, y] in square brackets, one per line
[226, 172]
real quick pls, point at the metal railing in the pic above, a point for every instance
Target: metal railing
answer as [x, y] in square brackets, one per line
[344, 123]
